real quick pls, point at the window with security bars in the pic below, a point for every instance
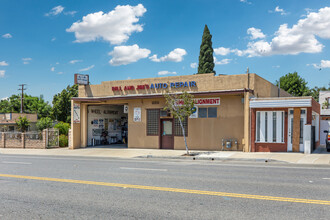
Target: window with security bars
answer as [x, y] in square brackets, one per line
[152, 121]
[178, 129]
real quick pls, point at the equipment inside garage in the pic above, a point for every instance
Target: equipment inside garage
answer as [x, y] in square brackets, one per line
[107, 124]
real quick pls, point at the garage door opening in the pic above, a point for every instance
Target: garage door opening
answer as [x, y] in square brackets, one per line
[107, 126]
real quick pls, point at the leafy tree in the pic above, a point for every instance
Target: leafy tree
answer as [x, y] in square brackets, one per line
[206, 62]
[22, 123]
[180, 111]
[44, 123]
[316, 91]
[31, 104]
[293, 84]
[62, 103]
[63, 128]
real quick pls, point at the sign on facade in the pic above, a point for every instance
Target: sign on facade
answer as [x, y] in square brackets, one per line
[202, 101]
[137, 114]
[194, 112]
[81, 79]
[126, 109]
[76, 113]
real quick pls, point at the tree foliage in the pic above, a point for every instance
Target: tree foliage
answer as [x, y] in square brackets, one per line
[44, 123]
[22, 123]
[32, 104]
[180, 111]
[62, 103]
[63, 128]
[206, 62]
[293, 84]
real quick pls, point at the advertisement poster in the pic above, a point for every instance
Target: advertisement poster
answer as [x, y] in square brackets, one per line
[137, 114]
[76, 113]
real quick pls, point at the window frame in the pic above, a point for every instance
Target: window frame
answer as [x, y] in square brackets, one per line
[158, 129]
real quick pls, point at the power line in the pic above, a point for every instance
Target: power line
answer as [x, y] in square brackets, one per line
[22, 96]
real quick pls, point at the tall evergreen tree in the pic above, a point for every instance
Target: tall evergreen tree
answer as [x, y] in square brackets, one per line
[206, 62]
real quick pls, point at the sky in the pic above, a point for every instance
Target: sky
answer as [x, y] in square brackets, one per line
[44, 43]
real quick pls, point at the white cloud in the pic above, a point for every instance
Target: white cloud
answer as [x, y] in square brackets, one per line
[5, 98]
[3, 63]
[52, 69]
[2, 73]
[7, 36]
[324, 64]
[60, 73]
[115, 26]
[276, 66]
[72, 13]
[53, 39]
[255, 33]
[123, 55]
[26, 60]
[75, 61]
[245, 1]
[221, 62]
[278, 10]
[175, 55]
[55, 11]
[87, 68]
[222, 51]
[300, 38]
[193, 65]
[162, 73]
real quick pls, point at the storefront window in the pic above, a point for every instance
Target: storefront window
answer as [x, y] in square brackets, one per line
[202, 112]
[270, 126]
[212, 112]
[152, 121]
[178, 129]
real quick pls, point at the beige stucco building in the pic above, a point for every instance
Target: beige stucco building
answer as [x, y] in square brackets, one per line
[131, 112]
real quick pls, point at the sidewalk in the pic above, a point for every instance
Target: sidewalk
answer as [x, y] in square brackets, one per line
[321, 157]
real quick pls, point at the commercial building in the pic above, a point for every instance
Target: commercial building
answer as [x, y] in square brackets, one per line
[324, 100]
[131, 112]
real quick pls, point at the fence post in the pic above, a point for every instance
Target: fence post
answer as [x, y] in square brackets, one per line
[3, 140]
[45, 134]
[23, 139]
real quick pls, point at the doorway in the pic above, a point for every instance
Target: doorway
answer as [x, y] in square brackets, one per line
[290, 130]
[166, 135]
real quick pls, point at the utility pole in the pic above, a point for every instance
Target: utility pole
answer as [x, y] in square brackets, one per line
[22, 96]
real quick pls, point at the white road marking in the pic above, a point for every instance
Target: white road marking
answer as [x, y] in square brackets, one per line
[16, 162]
[326, 178]
[149, 169]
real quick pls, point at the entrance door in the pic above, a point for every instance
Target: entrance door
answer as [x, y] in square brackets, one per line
[166, 136]
[290, 130]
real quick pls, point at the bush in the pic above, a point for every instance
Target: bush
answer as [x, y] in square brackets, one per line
[63, 142]
[63, 128]
[44, 123]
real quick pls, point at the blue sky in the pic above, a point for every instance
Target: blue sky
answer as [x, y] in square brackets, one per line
[43, 43]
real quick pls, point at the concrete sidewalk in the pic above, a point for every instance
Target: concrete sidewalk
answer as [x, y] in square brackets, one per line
[321, 157]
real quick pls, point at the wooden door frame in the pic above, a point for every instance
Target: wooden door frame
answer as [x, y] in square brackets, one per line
[161, 129]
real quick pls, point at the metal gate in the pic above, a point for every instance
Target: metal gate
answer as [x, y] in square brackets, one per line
[313, 139]
[52, 138]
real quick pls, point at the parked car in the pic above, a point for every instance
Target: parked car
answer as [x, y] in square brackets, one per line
[327, 140]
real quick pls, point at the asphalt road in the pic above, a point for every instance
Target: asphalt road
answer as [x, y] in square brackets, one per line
[159, 189]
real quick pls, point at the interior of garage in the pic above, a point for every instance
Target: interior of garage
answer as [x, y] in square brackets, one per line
[107, 126]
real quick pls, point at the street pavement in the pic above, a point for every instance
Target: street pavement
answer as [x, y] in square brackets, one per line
[319, 157]
[58, 187]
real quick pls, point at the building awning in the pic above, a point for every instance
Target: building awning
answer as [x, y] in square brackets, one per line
[158, 95]
[281, 102]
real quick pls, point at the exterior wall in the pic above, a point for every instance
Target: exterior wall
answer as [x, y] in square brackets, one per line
[268, 147]
[233, 119]
[325, 110]
[22, 141]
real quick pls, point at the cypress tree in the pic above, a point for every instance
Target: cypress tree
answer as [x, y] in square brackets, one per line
[206, 62]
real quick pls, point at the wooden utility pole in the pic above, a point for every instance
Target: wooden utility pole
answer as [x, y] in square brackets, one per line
[22, 96]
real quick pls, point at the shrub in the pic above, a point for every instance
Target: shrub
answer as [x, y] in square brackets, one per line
[44, 123]
[63, 142]
[63, 128]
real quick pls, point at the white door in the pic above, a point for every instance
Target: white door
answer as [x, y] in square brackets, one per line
[290, 130]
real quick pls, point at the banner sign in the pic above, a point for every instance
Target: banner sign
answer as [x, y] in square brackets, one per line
[76, 113]
[202, 101]
[137, 114]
